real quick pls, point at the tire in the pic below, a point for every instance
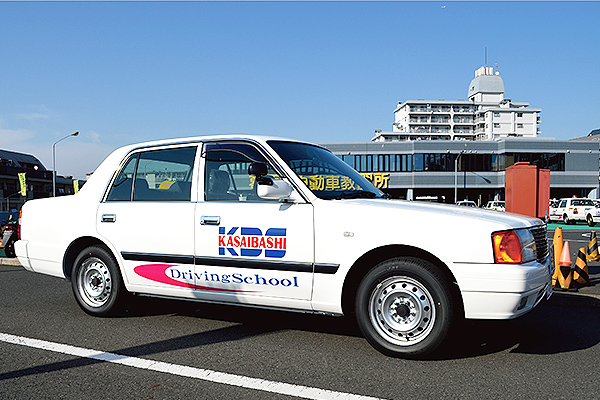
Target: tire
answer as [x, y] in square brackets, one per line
[590, 220]
[566, 220]
[404, 307]
[96, 282]
[9, 250]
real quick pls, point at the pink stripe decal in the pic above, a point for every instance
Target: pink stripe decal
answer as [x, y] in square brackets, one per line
[157, 273]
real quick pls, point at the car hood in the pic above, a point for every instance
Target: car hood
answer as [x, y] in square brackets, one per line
[435, 212]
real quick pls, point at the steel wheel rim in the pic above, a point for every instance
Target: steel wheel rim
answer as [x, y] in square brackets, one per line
[401, 311]
[94, 282]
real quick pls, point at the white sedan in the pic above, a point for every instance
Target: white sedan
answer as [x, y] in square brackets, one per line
[278, 223]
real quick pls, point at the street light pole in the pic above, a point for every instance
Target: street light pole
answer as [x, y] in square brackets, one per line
[54, 162]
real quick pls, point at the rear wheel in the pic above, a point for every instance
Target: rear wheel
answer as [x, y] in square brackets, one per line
[96, 282]
[404, 307]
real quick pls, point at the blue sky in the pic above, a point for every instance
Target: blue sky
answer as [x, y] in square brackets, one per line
[126, 72]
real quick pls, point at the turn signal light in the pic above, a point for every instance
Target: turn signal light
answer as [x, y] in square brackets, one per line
[507, 248]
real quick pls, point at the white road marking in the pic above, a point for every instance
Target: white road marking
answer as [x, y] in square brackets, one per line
[305, 392]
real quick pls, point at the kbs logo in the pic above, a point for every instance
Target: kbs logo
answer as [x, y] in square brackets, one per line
[250, 242]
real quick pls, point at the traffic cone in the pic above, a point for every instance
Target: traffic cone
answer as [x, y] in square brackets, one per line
[581, 276]
[565, 275]
[558, 246]
[592, 254]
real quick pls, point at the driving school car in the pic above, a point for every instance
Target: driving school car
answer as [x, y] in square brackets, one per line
[284, 224]
[571, 210]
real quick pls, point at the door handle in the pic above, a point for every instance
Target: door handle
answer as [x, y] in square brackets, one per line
[109, 217]
[210, 220]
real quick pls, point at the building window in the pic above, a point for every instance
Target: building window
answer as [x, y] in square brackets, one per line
[519, 115]
[520, 126]
[418, 162]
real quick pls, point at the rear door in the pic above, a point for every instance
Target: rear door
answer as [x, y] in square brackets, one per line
[147, 217]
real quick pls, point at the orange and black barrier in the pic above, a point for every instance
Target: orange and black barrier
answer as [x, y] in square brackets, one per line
[565, 275]
[558, 246]
[581, 275]
[592, 254]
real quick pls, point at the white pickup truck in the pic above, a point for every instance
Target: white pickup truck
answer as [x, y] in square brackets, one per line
[277, 223]
[572, 210]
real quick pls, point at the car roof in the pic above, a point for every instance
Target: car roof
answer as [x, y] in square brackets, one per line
[194, 139]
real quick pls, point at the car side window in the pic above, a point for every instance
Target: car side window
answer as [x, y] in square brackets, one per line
[563, 203]
[226, 172]
[156, 175]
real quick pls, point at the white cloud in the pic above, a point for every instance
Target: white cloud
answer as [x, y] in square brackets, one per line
[14, 137]
[40, 112]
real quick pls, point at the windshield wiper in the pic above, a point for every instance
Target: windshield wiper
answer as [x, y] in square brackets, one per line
[356, 194]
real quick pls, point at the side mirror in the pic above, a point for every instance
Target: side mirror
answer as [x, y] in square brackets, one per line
[277, 190]
[268, 188]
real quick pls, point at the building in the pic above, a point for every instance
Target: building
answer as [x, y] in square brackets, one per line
[486, 115]
[37, 178]
[455, 150]
[474, 170]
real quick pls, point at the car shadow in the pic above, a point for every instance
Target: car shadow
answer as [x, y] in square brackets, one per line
[250, 317]
[565, 323]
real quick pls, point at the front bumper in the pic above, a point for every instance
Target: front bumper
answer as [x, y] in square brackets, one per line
[503, 291]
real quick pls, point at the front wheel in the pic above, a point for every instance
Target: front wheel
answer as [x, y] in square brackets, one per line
[590, 220]
[404, 307]
[96, 282]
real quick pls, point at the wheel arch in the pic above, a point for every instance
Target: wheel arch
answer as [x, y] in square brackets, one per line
[77, 247]
[370, 259]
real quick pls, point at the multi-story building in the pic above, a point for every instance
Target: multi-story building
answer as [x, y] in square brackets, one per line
[486, 115]
[455, 150]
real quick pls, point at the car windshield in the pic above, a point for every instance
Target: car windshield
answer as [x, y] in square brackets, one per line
[324, 174]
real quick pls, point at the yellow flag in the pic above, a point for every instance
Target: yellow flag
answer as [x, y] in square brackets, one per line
[23, 184]
[76, 185]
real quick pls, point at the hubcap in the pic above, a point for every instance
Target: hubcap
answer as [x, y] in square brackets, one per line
[94, 282]
[401, 310]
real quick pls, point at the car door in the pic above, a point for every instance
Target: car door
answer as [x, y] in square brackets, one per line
[249, 249]
[561, 210]
[147, 216]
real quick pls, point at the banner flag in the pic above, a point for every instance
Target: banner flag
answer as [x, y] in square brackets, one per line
[23, 184]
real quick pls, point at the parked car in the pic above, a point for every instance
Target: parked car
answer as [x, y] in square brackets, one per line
[572, 210]
[277, 223]
[496, 205]
[466, 203]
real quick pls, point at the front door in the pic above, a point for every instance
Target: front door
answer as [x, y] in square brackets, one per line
[249, 250]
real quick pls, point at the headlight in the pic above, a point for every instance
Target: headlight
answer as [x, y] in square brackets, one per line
[514, 247]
